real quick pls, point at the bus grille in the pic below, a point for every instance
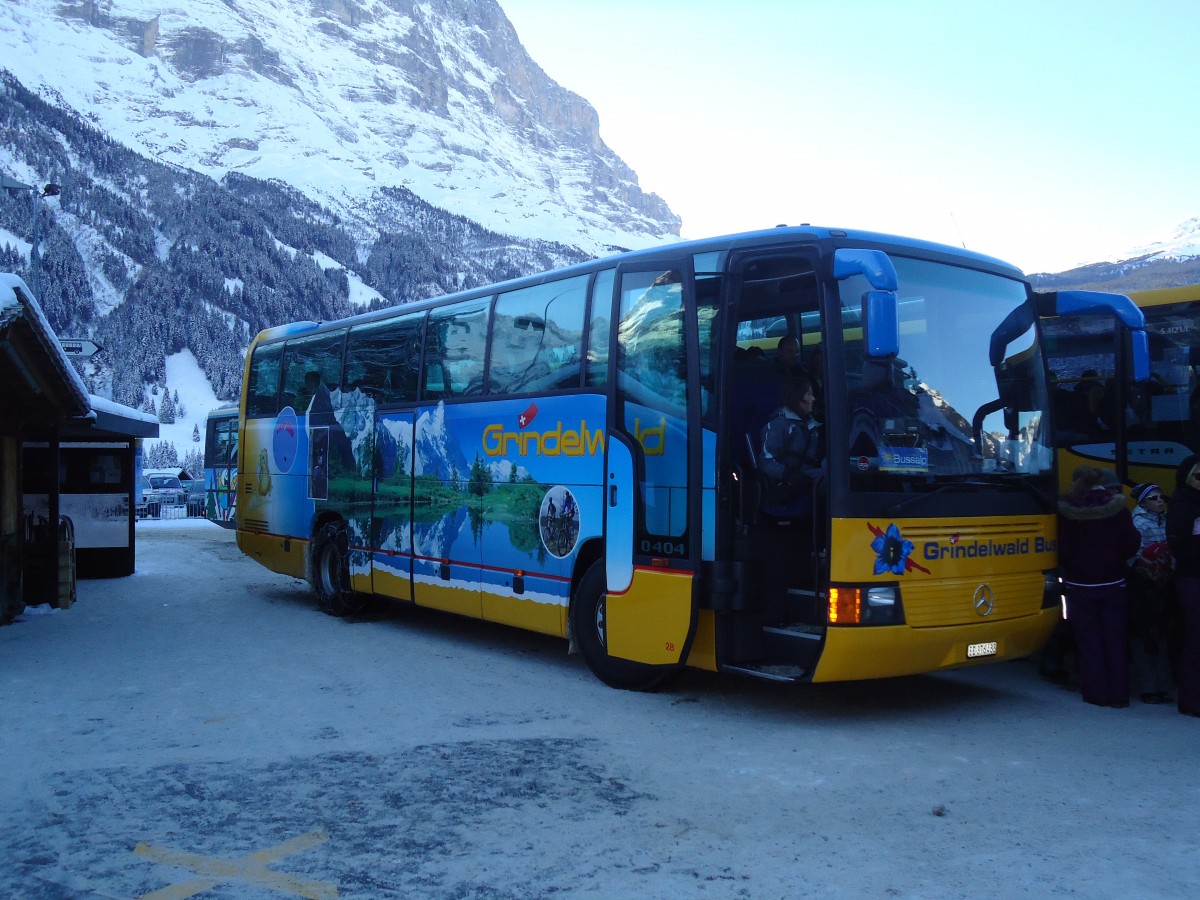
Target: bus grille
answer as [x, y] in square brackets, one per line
[952, 601]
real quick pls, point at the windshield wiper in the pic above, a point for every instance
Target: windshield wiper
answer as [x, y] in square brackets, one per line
[1047, 502]
[951, 486]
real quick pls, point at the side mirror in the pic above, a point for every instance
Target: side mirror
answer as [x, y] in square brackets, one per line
[881, 306]
[881, 317]
[1097, 303]
[1141, 354]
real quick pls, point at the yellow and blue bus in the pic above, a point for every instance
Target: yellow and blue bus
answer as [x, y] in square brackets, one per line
[1143, 430]
[575, 453]
[220, 466]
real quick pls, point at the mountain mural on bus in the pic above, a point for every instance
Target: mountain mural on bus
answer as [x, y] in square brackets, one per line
[482, 489]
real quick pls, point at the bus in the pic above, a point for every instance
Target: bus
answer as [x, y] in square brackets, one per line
[574, 453]
[1158, 425]
[220, 466]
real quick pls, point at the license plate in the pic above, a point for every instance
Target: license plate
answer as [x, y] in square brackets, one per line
[987, 648]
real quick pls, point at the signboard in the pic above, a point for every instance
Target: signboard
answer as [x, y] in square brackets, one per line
[79, 348]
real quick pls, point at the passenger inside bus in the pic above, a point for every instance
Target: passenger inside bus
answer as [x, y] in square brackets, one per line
[1084, 412]
[790, 458]
[787, 355]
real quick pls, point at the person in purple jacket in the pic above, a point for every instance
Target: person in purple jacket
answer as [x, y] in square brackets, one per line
[1096, 536]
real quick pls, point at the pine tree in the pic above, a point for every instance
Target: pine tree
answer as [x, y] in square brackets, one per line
[194, 463]
[481, 479]
[166, 409]
[195, 434]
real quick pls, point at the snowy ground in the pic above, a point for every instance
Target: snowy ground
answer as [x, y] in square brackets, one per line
[200, 729]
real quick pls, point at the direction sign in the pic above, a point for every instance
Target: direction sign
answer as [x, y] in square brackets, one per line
[79, 348]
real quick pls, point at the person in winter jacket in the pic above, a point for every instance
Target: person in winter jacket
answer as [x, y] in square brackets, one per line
[790, 459]
[1096, 536]
[1183, 534]
[1149, 593]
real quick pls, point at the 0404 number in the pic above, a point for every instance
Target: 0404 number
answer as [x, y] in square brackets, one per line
[663, 548]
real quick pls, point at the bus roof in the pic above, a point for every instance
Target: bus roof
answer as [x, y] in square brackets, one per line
[780, 235]
[1164, 296]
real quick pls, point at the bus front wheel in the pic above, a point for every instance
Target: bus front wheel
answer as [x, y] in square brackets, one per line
[589, 628]
[331, 571]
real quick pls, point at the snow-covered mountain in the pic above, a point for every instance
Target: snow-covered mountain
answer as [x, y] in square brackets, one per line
[1183, 244]
[228, 165]
[1173, 261]
[343, 99]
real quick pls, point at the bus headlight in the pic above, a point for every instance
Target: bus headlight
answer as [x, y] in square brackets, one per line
[865, 605]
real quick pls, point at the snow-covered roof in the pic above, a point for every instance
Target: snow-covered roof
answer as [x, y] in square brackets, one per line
[17, 302]
[111, 416]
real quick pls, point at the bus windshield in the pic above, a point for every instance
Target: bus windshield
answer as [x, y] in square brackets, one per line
[965, 397]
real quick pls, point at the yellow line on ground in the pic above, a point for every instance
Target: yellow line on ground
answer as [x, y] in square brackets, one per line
[252, 869]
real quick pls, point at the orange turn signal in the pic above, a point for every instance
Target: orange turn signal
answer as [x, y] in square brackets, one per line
[845, 606]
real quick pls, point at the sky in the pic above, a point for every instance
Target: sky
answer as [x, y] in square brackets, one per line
[1050, 133]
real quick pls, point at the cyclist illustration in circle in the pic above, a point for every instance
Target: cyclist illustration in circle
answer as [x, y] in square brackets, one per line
[558, 521]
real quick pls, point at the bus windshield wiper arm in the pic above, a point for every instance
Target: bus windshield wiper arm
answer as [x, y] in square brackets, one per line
[1044, 500]
[1047, 502]
[941, 489]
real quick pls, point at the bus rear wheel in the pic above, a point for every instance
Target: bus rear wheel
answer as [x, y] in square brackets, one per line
[331, 571]
[590, 631]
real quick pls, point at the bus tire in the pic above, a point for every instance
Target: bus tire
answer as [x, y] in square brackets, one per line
[588, 630]
[331, 571]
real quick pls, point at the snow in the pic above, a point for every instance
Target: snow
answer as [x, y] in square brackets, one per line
[203, 710]
[22, 246]
[197, 398]
[333, 128]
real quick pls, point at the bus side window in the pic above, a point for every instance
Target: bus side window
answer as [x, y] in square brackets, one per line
[309, 363]
[651, 347]
[456, 348]
[600, 329]
[708, 307]
[227, 443]
[383, 359]
[262, 395]
[537, 338]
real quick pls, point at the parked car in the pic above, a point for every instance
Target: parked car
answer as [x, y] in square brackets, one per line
[141, 499]
[195, 496]
[166, 488]
[142, 494]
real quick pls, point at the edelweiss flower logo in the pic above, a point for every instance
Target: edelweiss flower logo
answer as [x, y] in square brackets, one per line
[892, 551]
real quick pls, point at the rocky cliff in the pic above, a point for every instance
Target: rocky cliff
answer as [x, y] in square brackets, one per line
[344, 99]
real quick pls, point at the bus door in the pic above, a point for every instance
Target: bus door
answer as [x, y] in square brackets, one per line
[774, 301]
[653, 459]
[391, 527]
[220, 472]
